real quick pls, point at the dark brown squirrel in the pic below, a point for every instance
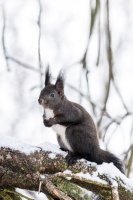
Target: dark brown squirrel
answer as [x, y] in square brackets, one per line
[76, 131]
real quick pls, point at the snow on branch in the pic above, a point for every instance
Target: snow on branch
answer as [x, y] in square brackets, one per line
[27, 167]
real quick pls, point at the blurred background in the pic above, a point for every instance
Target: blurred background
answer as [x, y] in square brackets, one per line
[93, 41]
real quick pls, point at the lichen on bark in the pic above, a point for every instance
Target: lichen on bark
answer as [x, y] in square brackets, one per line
[18, 169]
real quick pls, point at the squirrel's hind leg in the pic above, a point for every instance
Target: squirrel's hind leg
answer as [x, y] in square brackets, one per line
[72, 158]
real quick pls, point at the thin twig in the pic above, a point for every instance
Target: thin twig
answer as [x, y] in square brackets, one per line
[39, 42]
[129, 166]
[110, 64]
[114, 189]
[94, 12]
[117, 120]
[21, 63]
[32, 68]
[3, 39]
[99, 38]
[118, 91]
[55, 192]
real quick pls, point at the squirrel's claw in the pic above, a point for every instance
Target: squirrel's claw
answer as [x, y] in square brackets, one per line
[71, 159]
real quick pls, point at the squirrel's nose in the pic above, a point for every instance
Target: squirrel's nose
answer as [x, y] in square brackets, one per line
[42, 101]
[39, 100]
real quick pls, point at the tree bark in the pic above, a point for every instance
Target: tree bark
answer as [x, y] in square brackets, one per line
[57, 180]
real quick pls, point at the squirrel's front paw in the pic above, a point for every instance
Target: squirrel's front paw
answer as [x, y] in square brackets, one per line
[52, 121]
[46, 123]
[49, 123]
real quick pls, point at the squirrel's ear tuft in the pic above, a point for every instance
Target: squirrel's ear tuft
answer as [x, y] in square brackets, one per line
[59, 85]
[47, 77]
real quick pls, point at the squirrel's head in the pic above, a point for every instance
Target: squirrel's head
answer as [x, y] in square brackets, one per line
[52, 95]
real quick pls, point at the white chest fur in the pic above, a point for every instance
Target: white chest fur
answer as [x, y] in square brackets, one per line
[59, 129]
[49, 113]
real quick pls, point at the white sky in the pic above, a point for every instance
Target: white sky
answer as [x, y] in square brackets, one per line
[65, 29]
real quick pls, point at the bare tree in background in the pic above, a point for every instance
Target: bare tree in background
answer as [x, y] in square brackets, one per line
[103, 117]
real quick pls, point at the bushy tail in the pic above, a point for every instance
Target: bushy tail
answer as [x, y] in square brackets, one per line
[105, 156]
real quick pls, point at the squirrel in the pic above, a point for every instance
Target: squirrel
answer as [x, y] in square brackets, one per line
[76, 131]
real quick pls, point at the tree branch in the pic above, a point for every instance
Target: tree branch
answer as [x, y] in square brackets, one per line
[3, 39]
[39, 41]
[26, 166]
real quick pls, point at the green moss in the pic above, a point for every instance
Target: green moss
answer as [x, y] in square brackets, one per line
[7, 194]
[71, 189]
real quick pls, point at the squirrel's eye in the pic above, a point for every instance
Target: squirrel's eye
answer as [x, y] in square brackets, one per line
[52, 94]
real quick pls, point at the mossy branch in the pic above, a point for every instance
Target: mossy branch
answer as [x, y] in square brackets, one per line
[59, 181]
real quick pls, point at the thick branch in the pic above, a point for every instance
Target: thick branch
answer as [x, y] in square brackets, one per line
[22, 167]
